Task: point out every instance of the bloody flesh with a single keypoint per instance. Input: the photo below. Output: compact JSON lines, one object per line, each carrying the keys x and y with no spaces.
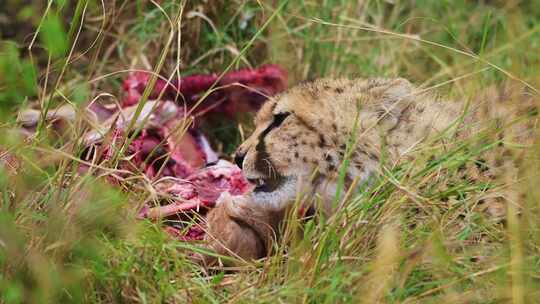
{"x":176,"y":160}
{"x":163,"y":141}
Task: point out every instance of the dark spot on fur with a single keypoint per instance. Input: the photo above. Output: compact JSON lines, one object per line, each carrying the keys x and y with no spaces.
{"x":372,"y":83}
{"x":304,"y":159}
{"x":326,"y":87}
{"x":373,"y":156}
{"x":322,"y":141}
{"x":334,"y":127}
{"x":338,"y":90}
{"x":481,"y":165}
{"x":380,"y":112}
{"x":296,"y":154}
{"x":409,"y":130}
{"x":330,"y":160}
{"x":273,"y":107}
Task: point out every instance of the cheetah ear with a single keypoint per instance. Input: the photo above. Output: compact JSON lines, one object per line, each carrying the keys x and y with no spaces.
{"x":396,"y":97}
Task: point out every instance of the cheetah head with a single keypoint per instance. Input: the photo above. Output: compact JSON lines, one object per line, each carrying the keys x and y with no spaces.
{"x":303,"y":132}
{"x":293,"y":139}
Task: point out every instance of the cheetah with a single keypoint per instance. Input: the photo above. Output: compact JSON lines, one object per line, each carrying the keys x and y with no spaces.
{"x":303,"y":136}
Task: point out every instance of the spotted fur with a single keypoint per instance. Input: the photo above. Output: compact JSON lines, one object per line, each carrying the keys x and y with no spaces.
{"x":307,"y":129}
{"x":307,"y":132}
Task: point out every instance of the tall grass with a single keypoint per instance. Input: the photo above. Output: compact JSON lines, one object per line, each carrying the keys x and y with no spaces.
{"x":417,"y":234}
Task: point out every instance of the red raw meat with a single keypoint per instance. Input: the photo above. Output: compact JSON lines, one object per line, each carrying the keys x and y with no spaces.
{"x":242,"y":90}
{"x":193,"y":233}
{"x":156,"y":149}
{"x":195,"y":194}
{"x":160,"y":149}
{"x":170,"y":153}
{"x":200,"y":189}
{"x":157,"y":153}
{"x":239,"y":91}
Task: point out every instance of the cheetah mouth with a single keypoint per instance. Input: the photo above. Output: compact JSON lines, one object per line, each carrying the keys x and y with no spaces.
{"x":269,"y":184}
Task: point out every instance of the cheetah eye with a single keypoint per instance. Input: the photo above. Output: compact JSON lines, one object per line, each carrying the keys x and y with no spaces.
{"x":278,"y":120}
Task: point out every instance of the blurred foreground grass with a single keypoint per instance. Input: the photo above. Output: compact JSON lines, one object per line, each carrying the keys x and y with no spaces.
{"x":71,"y":238}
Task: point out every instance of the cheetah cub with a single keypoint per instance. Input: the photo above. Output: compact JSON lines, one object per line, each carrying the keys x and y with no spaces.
{"x":303,"y":135}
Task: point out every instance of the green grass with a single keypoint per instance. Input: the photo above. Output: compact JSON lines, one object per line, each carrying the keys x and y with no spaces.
{"x":416,"y":235}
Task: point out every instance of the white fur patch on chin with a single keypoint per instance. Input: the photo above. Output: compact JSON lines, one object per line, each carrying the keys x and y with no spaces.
{"x":279,"y":199}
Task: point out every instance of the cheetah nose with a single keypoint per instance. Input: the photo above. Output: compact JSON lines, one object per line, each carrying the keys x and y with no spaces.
{"x":239,"y":159}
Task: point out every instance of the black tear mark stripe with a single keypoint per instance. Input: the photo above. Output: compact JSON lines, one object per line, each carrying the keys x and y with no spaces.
{"x":262,"y":160}
{"x":262,"y":157}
